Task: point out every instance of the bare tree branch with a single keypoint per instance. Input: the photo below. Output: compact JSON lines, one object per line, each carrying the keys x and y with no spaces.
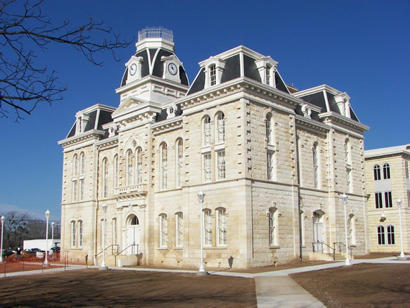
{"x":24,"y":32}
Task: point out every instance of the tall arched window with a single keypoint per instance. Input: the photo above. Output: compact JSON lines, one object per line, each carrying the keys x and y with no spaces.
{"x":207,"y":227}
{"x":221,"y":226}
{"x":163,"y":231}
{"x":220,"y":127}
{"x":380,"y":235}
{"x":206,"y":130}
{"x":75,"y":178}
{"x":316,"y":174}
{"x":164,"y":166}
{"x":82,"y":163}
{"x":179,"y":162}
{"x":348,"y":152}
{"x":80,"y":233}
{"x":271,"y":165}
{"x":270,"y":136}
{"x":348,"y":158}
{"x":73,"y":234}
{"x":130,"y":167}
{"x":376,"y":172}
{"x":386,"y":171}
{"x":273,"y":227}
{"x":115,"y":171}
{"x":104,"y":177}
{"x":179,"y":229}
{"x":138,"y":154}
{"x":390,"y":235}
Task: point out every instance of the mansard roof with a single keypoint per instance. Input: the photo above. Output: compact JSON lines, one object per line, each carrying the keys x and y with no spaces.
{"x":234,"y":68}
{"x":324,"y":96}
{"x":97,"y":115}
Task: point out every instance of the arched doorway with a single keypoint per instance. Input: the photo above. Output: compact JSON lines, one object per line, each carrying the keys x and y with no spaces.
{"x":133,"y":235}
{"x":318,"y":231}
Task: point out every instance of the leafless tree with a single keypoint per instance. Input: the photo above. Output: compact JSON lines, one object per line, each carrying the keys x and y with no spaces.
{"x":25,"y":31}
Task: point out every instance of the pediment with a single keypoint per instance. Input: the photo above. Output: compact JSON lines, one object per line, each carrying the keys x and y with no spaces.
{"x":127,"y":105}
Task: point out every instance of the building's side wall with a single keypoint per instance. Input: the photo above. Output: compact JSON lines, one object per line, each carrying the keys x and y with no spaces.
{"x":399,"y":187}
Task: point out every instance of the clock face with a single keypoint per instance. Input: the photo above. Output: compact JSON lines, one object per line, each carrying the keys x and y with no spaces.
{"x":172,"y":68}
{"x":133,"y":69}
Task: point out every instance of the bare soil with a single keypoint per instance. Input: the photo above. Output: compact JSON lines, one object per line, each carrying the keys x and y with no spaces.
{"x":361,"y":285}
{"x":126,"y":289}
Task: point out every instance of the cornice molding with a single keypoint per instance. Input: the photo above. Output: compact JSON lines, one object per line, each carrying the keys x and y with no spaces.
{"x":90,"y":135}
{"x":331,"y":118}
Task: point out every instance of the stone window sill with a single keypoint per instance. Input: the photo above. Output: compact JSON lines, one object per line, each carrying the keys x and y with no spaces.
{"x":274,"y":247}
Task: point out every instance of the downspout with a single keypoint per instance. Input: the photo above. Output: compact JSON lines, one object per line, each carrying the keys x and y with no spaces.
{"x":97,"y":204}
{"x":298,"y":187}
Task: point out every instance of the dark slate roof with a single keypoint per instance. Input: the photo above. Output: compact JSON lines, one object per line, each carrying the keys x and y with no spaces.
{"x":103,"y":118}
{"x":318,"y":99}
{"x":232,"y":70}
{"x":158,"y":65}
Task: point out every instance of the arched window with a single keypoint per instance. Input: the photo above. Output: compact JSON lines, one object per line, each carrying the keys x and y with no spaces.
{"x":348,"y":152}
{"x":380,"y":235}
{"x":352,"y":229}
{"x":207,"y":227}
{"x":220,"y":127}
{"x":212,"y":74}
{"x":179,"y":162}
{"x":386,"y":171}
{"x":206,"y":130}
{"x":206,"y":167}
{"x":390,"y":235}
{"x":115,"y":173}
{"x":104,"y":177}
{"x":221,"y":226}
{"x":163,"y":231}
{"x":270,"y":136}
{"x":130,"y":167}
{"x":82,"y":163}
{"x":273,"y":227}
{"x":73,"y":234}
{"x":164,"y":166}
{"x":376,"y":172}
{"x":179,"y":230}
{"x":138,"y":154}
{"x":80,"y":233}
{"x":75,"y":165}
{"x":348,"y":159}
{"x":316,"y":175}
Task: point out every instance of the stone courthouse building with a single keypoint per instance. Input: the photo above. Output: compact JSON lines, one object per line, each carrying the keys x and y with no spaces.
{"x":272,"y":162}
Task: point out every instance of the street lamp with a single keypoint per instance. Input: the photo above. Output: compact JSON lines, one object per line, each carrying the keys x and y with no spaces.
{"x":401,"y":232}
{"x":344,"y":198}
{"x":103,"y":266}
{"x":1,"y":245}
{"x":47,"y":217}
{"x":201,"y":197}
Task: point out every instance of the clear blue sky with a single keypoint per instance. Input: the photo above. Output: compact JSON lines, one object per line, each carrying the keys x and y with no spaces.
{"x":361,"y":47}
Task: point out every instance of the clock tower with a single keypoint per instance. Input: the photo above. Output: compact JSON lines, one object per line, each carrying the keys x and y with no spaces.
{"x":154,"y":74}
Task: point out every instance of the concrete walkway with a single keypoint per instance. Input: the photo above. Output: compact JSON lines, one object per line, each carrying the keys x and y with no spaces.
{"x":273,"y":289}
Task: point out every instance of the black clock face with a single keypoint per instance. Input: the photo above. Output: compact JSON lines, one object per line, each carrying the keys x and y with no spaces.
{"x":133,"y":69}
{"x":172,"y":69}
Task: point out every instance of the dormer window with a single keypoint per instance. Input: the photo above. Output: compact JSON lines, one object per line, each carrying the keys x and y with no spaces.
{"x":213,"y":69}
{"x":343,"y":102}
{"x":267,"y":67}
{"x":81,"y":123}
{"x":212,"y":75}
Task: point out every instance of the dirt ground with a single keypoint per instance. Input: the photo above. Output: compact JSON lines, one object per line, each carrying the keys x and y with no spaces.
{"x":362,"y":285}
{"x":126,"y":289}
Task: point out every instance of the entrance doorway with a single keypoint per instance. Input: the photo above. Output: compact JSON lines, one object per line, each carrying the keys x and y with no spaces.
{"x":318,"y":231}
{"x":133,"y":235}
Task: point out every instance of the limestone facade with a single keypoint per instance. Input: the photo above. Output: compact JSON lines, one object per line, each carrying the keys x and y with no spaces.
{"x":387,"y":180}
{"x":271,"y":161}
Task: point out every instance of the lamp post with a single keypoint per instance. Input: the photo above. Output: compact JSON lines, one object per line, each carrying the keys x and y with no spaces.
{"x":1,"y":245}
{"x":47,"y":217}
{"x":201,"y":196}
{"x":401,"y":232}
{"x":103,"y":266}
{"x":344,"y":198}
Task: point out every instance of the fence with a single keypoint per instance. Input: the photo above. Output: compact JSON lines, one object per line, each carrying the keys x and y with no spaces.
{"x":31,"y":261}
